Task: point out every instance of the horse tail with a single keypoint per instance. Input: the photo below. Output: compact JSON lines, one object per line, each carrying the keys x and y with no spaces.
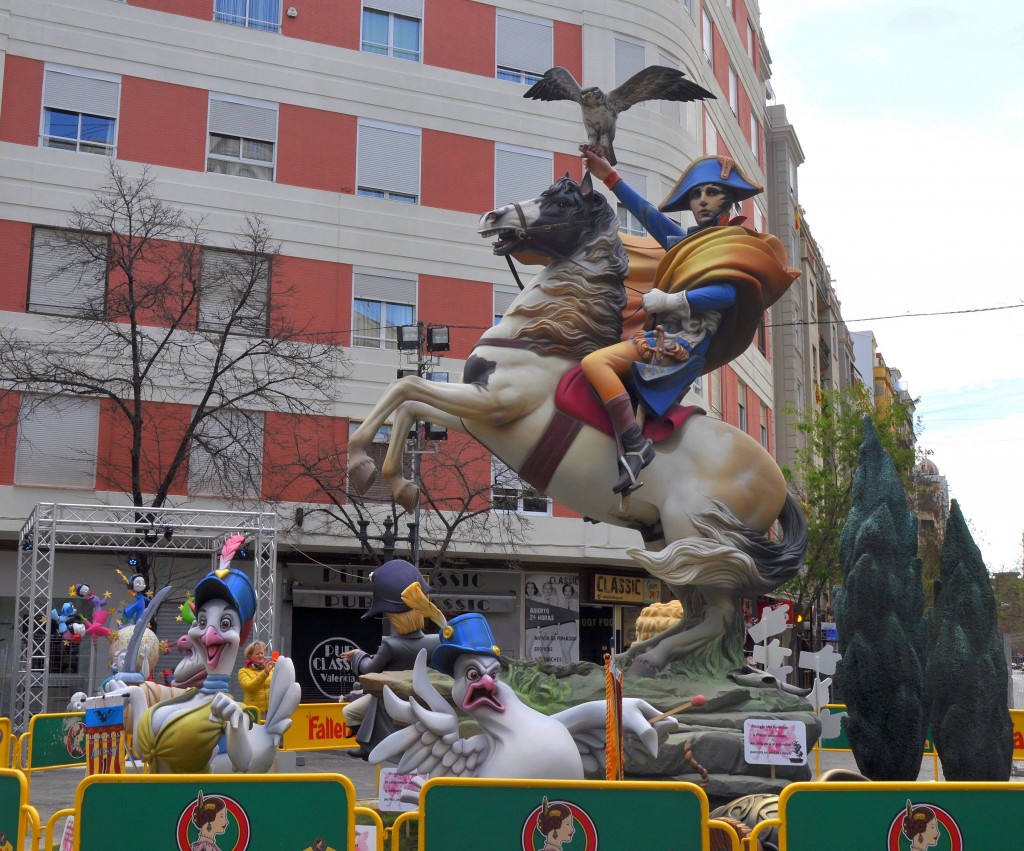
{"x":778,"y":561}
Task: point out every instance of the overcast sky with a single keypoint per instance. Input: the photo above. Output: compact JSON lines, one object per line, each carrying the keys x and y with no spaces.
{"x":911,"y":118}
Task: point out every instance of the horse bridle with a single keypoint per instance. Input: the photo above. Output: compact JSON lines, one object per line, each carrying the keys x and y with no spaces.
{"x":525,"y":231}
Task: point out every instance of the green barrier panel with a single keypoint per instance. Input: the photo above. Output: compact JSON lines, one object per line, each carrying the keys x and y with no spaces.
{"x":504,"y":815}
{"x":291,"y":812}
{"x":870,"y":817}
{"x":56,"y":741}
{"x":13,"y":794}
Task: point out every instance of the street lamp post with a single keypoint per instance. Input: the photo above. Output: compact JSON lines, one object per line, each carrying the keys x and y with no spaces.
{"x":413,"y":340}
{"x":389,"y":538}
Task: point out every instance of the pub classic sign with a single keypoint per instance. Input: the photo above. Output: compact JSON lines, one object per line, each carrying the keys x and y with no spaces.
{"x":613,"y":588}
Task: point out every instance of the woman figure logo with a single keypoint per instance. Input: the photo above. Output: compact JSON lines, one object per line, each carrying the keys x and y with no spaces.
{"x":209,"y":817}
{"x":923,"y":826}
{"x":559,"y":826}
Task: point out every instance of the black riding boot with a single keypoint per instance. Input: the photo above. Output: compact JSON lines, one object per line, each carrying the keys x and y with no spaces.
{"x":635,"y":451}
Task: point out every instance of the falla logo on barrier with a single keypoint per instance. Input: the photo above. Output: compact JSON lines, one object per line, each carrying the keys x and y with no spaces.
{"x":924,"y":826}
{"x":558,"y":826}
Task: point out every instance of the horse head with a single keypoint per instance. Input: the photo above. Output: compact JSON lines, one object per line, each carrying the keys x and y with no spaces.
{"x":564,"y":218}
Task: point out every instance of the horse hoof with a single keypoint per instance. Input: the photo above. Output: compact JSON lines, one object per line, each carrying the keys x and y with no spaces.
{"x":407,"y":496}
{"x":642,"y":667}
{"x":362,"y":474}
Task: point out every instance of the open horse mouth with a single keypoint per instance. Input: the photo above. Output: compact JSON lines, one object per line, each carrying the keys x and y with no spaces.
{"x":508,"y":240}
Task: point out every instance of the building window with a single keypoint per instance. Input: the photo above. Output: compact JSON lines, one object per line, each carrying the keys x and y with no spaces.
{"x":510,"y":493}
{"x":688,"y":5}
{"x":381,"y":303}
{"x":750,"y":42}
{"x":520,"y":173}
{"x":79,"y":110}
{"x":388,"y":162}
{"x":57,"y":441}
{"x":255,"y":14}
{"x":627,"y":221}
{"x":226,"y":455}
{"x":233,"y":292}
{"x":728,"y":5}
{"x":764,"y":425}
{"x":630,"y":58}
{"x":392,"y":28}
{"x":524,"y":47}
{"x":734,"y":91}
{"x":710,"y":136}
{"x":242,"y":138}
{"x":380,"y":490}
{"x":69,"y":273}
{"x":755,"y":136}
{"x":707,"y":34}
{"x":762,"y":336}
{"x":715,"y":395}
{"x":503,"y":297}
{"x":741,"y":405}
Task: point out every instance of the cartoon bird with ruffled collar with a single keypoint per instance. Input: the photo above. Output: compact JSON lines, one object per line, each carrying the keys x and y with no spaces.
{"x":517,"y":741}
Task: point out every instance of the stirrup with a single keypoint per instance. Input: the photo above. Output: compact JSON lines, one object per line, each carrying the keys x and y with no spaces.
{"x":629,"y":481}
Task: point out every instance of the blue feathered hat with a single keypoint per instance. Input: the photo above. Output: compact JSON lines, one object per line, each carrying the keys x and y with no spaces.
{"x":469,"y":633}
{"x":389,"y":581}
{"x":720,"y":170}
{"x":232,"y":586}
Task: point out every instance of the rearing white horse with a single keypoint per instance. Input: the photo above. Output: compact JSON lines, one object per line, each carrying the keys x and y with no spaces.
{"x":707,"y":499}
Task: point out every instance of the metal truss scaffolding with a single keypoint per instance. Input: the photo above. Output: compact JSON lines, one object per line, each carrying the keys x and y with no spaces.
{"x":54,"y":527}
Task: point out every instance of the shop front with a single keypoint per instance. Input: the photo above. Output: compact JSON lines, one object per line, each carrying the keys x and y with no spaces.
{"x":608,"y":616}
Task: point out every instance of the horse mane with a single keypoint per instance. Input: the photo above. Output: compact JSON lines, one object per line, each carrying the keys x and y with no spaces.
{"x":583,"y":310}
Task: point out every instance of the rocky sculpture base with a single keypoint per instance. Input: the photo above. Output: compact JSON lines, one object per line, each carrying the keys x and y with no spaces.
{"x":715,"y":736}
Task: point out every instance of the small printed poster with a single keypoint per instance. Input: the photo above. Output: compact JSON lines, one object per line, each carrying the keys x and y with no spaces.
{"x":767,"y":741}
{"x":67,"y":839}
{"x":552,"y":617}
{"x":366,"y":837}
{"x":392,"y":784}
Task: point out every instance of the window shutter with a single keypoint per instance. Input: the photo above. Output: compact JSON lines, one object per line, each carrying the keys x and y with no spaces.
{"x":389,"y":158}
{"x":60,"y":282}
{"x":669,"y":108}
{"x":520,"y":174}
{"x":630,"y":58}
{"x":225,"y":275}
{"x":57,"y":442}
{"x":503,"y":298}
{"x":231,"y":118}
{"x":408,"y":8}
{"x":77,"y":93}
{"x":636,"y":179}
{"x":225,"y":459}
{"x":525,"y":44}
{"x":375,"y":286}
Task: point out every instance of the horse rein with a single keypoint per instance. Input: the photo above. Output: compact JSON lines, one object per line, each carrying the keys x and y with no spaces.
{"x":525,"y":231}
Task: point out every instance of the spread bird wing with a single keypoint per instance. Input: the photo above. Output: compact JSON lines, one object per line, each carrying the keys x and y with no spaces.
{"x":656,"y":82}
{"x":430,"y":744}
{"x":586,"y":724}
{"x":556,"y":84}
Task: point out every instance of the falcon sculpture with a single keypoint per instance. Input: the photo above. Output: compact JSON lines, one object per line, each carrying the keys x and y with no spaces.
{"x":601,"y":110}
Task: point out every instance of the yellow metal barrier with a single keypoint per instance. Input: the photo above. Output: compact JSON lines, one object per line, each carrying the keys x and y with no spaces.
{"x":6,"y":743}
{"x":16,"y":810}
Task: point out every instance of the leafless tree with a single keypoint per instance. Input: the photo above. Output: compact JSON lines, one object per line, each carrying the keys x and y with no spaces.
{"x":455,"y":503}
{"x":182,"y":341}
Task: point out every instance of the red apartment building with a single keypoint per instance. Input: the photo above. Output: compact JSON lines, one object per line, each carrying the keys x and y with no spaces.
{"x":369,"y":137}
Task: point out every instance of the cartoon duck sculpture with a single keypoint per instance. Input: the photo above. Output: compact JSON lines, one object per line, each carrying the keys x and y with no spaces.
{"x":183,"y":734}
{"x":517,"y":741}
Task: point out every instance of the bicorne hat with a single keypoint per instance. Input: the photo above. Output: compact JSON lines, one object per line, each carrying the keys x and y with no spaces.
{"x":720,"y":170}
{"x":469,"y":633}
